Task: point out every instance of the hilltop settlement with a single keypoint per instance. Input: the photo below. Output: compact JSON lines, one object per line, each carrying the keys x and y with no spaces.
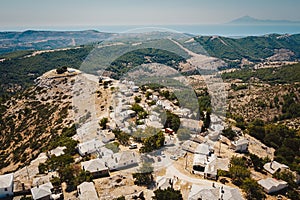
{"x":133,"y":141}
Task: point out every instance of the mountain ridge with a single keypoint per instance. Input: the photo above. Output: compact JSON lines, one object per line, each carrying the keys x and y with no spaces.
{"x":44,"y":40}
{"x":248,"y":20}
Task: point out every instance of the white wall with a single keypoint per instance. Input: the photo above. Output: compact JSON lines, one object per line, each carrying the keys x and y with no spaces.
{"x":9,"y":191}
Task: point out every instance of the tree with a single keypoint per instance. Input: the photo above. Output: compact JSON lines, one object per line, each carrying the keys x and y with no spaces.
{"x":238,"y":170}
{"x":143,"y":179}
{"x":153,"y":142}
{"x":252,"y":189}
{"x":144,"y":175}
{"x":122,"y":137}
{"x":137,"y":99}
{"x":256,"y":129}
{"x":103,"y":122}
{"x":114,"y":146}
{"x":183,"y":134}
{"x":207,"y":120}
{"x":258,"y":163}
{"x":229,"y":133}
{"x":42,"y":168}
{"x":287,"y":176}
{"x":61,"y":70}
{"x":171,"y":121}
{"x":167,"y":194}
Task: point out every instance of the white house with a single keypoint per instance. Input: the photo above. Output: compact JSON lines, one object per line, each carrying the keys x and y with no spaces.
{"x":104,"y":152}
{"x":121,"y":160}
{"x":95,"y":166}
{"x":204,"y":149}
{"x":135,"y":88}
{"x":87,"y":191}
{"x":240,"y":145}
{"x":272,"y":185}
{"x":214,"y":193}
{"x":194,"y":147}
{"x":42,"y":192}
{"x":6,"y":185}
{"x":163,"y":182}
{"x":211,"y":169}
{"x":191,"y":124}
{"x":58,"y":151}
{"x":89,"y":147}
{"x":274,"y":166}
{"x":200,"y":161}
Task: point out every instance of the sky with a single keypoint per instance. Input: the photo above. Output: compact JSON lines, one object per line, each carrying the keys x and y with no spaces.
{"x":55,"y":13}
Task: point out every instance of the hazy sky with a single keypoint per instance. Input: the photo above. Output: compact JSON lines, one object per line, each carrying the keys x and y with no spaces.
{"x":41,"y":13}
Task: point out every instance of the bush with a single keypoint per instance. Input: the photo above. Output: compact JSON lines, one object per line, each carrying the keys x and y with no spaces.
{"x":229,"y":133}
{"x":171,"y":121}
{"x":183,"y":134}
{"x":121,"y":136}
{"x":103,"y":122}
{"x":153,"y":142}
{"x":252,"y":189}
{"x":113,"y":146}
{"x":61,"y":70}
{"x":167,"y":194}
{"x":143,"y":179}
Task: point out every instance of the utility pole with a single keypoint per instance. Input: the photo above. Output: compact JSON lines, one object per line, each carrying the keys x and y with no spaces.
{"x":186,"y":160}
{"x":219,"y":148}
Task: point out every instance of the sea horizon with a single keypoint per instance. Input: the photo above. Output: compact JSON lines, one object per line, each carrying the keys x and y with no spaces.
{"x":228,"y":30}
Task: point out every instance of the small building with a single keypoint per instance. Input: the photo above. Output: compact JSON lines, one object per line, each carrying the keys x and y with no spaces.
{"x":189,"y":146}
{"x":169,"y":131}
{"x":211,"y":169}
{"x":194,"y":147}
{"x":58,"y":151}
{"x":96,"y":167}
{"x":134,"y":88}
{"x":87,"y":191}
{"x":126,"y":115}
{"x":193,"y":125}
{"x":213,"y":135}
{"x":89,"y":147}
{"x":200,"y":161}
{"x":214,"y":193}
{"x":240,"y":145}
{"x":274,"y":166}
{"x":163,"y":182}
{"x":104,"y":152}
{"x":272,"y":185}
{"x":6,"y":185}
{"x":155,"y":124}
{"x":204,"y":149}
{"x":42,"y":192}
{"x":121,"y":160}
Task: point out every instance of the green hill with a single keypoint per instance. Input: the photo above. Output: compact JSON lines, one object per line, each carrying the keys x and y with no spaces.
{"x":253,"y":48}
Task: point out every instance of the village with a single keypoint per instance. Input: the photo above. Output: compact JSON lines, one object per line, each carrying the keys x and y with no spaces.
{"x":190,"y":159}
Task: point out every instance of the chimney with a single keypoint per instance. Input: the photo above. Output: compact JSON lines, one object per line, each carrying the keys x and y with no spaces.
{"x":271,"y":165}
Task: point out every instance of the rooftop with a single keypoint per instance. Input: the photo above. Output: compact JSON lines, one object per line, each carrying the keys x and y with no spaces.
{"x":41,"y":191}
{"x":58,"y":151}
{"x":269,"y":183}
{"x":94,"y":165}
{"x":273,"y":166}
{"x":6,"y":180}
{"x":212,"y":193}
{"x":86,"y":190}
{"x":90,"y":146}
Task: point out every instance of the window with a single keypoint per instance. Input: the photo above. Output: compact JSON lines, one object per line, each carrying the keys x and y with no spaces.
{"x":5,"y":189}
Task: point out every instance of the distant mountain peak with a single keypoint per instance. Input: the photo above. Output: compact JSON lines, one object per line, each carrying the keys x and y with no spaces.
{"x":247,"y":20}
